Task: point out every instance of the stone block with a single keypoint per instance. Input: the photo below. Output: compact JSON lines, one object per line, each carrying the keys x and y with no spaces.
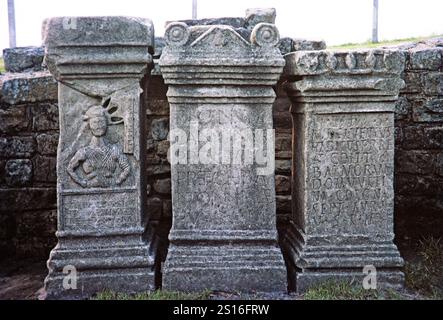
{"x":13,"y":119}
{"x":45,"y":117}
{"x":413,"y":82}
{"x":282,"y":166}
{"x":167,"y":209}
{"x":433,"y":83}
{"x":47,"y":143}
{"x":413,"y":137}
{"x":22,"y":59}
{"x":28,"y":87}
{"x":36,"y":198}
{"x":434,"y":137}
{"x":18,"y":172}
{"x":402,"y":108}
{"x":304,"y":44}
{"x":163,"y":186}
{"x":429,"y":110}
{"x":426,"y":59}
{"x":17,"y":147}
{"x":46,"y":168}
{"x":282,"y":184}
{"x":283,"y":204}
{"x":155,"y":208}
{"x":160,"y":128}
{"x":255,"y":16}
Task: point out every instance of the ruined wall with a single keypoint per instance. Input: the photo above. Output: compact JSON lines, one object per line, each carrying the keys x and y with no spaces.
{"x":419,"y":143}
{"x":28,"y":148}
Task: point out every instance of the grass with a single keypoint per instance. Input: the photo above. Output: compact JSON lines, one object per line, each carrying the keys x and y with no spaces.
{"x":426,"y":274}
{"x":333,"y":290}
{"x":423,"y":280}
{"x":2,"y":65}
{"x":155,"y":295}
{"x":369,"y":44}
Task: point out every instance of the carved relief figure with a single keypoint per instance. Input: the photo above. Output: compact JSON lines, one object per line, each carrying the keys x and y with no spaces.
{"x":101,"y":163}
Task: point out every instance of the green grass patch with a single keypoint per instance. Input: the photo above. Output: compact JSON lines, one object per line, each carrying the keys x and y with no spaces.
{"x":2,"y":65}
{"x":369,"y":44}
{"x":154,"y":295}
{"x":335,"y":290}
{"x":426,"y":274}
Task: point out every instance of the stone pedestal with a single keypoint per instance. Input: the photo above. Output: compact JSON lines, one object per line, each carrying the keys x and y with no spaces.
{"x":100,"y":64}
{"x":343,"y":166}
{"x":224,"y":233}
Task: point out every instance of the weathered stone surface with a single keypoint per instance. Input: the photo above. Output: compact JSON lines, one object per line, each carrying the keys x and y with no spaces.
{"x":230,"y":21}
{"x":282,"y":166}
{"x":28,"y":87}
{"x":160,"y":43}
{"x":160,"y":128}
{"x":428,"y":59}
{"x":23,"y":59}
{"x":434,"y":137}
{"x":224,"y":233}
{"x":156,"y":206}
{"x":163,"y":186}
{"x":45,"y":169}
{"x":285,"y":45}
{"x":304,"y":44}
{"x":18,"y":172}
{"x":35,"y":232}
{"x":99,"y":63}
{"x":428,"y":110}
{"x":283,"y":203}
{"x":282,"y":184}
{"x":255,"y":16}
{"x":343,"y":115}
{"x":158,"y":169}
{"x":167,"y":209}
{"x":158,"y":107}
{"x":17,"y":147}
{"x":36,"y":198}
{"x":433,"y":83}
{"x":45,"y":117}
{"x":283,"y":146}
{"x":288,"y":45}
{"x":47,"y":143}
{"x":402,"y":108}
{"x":13,"y":119}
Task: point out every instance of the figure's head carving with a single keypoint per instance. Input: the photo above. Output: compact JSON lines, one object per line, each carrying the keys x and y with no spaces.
{"x":97,"y":119}
{"x":100,"y":116}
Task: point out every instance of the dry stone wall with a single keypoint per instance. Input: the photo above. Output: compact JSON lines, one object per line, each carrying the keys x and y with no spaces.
{"x":419,"y":143}
{"x":28,"y":147}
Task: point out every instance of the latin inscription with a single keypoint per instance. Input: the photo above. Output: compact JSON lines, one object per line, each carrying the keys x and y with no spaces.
{"x":107,"y":211}
{"x":350,"y":171}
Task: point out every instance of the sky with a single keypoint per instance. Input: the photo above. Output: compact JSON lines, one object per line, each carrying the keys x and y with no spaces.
{"x":335,"y":21}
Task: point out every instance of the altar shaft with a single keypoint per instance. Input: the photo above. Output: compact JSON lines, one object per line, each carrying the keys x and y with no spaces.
{"x":343,"y":167}
{"x":220,"y":92}
{"x":100,"y":64}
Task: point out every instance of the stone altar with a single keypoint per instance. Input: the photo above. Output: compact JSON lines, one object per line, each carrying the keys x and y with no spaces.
{"x":101,"y":64}
{"x":343,"y":164}
{"x":224,"y":233}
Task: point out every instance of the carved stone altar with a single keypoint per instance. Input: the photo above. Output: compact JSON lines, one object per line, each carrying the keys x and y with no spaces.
{"x":224,"y":233}
{"x":100,"y":64}
{"x":343,"y":165}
